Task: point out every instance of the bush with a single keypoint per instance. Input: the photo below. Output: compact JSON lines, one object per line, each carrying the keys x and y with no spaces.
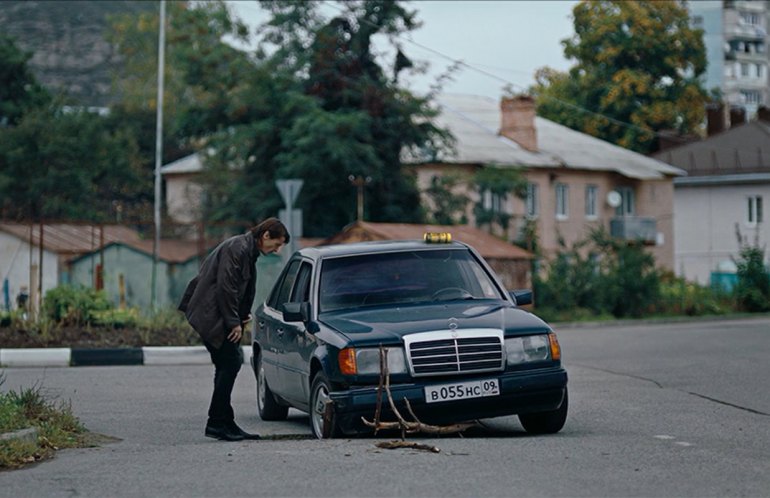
{"x":680,"y":297}
{"x":753,"y":289}
{"x":74,"y":305}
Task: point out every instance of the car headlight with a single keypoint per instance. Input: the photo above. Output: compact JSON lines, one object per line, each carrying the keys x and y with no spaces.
{"x":366,"y":361}
{"x":527,"y":349}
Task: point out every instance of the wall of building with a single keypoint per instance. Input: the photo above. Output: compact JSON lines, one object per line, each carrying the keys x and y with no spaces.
{"x":183,"y":198}
{"x":705,"y":224}
{"x":653,"y":199}
{"x":15,"y":267}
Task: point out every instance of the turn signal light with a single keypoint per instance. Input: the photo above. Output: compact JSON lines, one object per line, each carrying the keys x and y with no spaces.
{"x":347,"y":361}
{"x":555,"y":348}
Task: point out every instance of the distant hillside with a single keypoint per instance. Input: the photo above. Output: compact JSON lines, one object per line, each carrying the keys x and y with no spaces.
{"x":71,"y":54}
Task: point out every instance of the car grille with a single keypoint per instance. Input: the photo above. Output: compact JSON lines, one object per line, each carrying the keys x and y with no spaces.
{"x":458,"y":352}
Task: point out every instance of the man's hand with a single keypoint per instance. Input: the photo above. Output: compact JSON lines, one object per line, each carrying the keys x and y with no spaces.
{"x":235,"y":334}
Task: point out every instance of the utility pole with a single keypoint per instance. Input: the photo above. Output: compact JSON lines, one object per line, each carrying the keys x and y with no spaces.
{"x":158,"y":151}
{"x":360,"y":182}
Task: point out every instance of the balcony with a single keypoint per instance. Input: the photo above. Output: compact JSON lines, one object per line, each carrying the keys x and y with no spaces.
{"x":634,"y":228}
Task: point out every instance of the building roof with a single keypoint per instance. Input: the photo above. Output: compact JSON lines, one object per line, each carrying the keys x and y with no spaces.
{"x":475,"y":123}
{"x":187,"y":164}
{"x":741,"y":150}
{"x":487,"y":245}
{"x":70,"y":239}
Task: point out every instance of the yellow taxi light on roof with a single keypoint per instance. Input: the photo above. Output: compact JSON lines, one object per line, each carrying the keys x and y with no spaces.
{"x":437,"y":237}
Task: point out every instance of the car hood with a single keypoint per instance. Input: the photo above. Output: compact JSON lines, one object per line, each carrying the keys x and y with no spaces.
{"x":387,"y":325}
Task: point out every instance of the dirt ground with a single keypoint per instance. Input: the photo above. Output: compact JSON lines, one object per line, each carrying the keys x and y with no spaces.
{"x":96,"y":337}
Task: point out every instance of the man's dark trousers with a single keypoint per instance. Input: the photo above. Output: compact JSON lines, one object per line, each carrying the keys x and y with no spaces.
{"x":227,"y":362}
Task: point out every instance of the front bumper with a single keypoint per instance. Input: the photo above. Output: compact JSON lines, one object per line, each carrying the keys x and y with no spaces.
{"x":520,"y":392}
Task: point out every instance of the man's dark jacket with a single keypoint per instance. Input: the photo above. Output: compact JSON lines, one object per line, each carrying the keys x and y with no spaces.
{"x":222,"y":294}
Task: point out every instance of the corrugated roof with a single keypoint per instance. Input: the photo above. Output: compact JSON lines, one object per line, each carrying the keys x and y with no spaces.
{"x":744,"y":149}
{"x":475,"y":123}
{"x":486,"y":244}
{"x":71,"y":239}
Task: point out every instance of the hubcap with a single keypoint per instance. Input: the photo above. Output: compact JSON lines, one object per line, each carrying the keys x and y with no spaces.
{"x":319,"y":406}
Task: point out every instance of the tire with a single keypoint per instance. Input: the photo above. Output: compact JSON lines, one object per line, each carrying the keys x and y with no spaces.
{"x":546,"y":422}
{"x":319,"y":395}
{"x":267,"y":406}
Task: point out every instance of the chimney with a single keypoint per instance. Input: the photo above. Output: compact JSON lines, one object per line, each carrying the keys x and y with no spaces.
{"x":518,"y":121}
{"x":716,"y":118}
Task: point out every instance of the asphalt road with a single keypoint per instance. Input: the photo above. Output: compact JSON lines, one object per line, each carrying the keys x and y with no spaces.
{"x":656,"y":410}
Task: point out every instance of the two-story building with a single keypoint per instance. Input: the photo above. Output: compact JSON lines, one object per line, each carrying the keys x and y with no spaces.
{"x":576,"y":182}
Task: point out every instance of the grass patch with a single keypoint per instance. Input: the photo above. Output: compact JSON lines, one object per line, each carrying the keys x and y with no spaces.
{"x":56,"y":426}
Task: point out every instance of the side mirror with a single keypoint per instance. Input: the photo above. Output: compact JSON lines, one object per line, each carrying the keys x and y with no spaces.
{"x":300,"y":312}
{"x":521,"y":296}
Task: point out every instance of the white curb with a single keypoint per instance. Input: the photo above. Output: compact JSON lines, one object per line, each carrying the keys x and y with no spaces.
{"x":179,"y":355}
{"x":38,"y":357}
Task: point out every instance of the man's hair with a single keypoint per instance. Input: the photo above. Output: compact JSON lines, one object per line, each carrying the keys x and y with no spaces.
{"x":272,"y":226}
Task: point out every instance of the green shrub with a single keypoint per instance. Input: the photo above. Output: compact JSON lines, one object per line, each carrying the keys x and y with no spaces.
{"x":753,"y":289}
{"x":74,"y":305}
{"x":680,"y":297}
{"x":115,"y":318}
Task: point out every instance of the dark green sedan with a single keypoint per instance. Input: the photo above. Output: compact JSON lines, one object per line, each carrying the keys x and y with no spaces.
{"x":458,"y":347}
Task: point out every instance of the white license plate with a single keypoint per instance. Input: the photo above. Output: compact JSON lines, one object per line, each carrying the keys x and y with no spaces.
{"x":462,"y":390}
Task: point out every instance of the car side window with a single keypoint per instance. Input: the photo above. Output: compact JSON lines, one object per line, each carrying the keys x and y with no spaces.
{"x":301,"y":292}
{"x":284,"y":288}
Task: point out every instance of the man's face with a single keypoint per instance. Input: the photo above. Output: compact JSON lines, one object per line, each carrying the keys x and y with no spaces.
{"x":270,"y":246}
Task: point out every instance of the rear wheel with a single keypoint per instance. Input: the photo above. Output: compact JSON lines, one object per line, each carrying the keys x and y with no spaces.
{"x":319,"y":399}
{"x":546,"y":422}
{"x":267,"y":406}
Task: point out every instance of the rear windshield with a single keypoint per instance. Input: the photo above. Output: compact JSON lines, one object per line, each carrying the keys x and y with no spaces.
{"x":403,"y":277}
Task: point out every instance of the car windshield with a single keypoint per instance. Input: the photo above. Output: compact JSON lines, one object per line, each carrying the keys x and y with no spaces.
{"x":403,"y":277}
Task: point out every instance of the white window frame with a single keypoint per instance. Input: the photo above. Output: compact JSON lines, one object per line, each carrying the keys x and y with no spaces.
{"x":754,"y":211}
{"x":562,"y":201}
{"x":531,"y":210}
{"x":592,"y":196}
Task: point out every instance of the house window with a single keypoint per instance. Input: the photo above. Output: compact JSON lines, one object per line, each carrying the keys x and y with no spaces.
{"x":591,"y":195}
{"x":562,"y":201}
{"x":532,"y":200}
{"x":751,"y":96}
{"x":744,"y":70}
{"x":627,"y":205}
{"x":493,"y":202}
{"x":755,"y":210}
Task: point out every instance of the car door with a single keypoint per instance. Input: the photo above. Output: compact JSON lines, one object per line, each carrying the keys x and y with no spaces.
{"x":298,"y":342}
{"x":272,"y":326}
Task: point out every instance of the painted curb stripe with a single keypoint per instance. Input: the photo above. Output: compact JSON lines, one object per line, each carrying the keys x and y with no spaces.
{"x":111,"y":356}
{"x":181,"y":355}
{"x":35,"y":357}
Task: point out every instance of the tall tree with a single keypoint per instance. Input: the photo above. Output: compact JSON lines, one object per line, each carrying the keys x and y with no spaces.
{"x":637,"y":73}
{"x":320,"y":108}
{"x":58,"y":166}
{"x":19,"y":90}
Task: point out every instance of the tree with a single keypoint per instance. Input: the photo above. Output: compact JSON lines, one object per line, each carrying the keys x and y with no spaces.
{"x":322,"y":109}
{"x":19,"y":90}
{"x":448,"y":207}
{"x":58,"y":165}
{"x":637,"y":73}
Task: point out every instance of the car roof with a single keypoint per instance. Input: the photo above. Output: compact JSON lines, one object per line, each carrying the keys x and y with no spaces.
{"x":374,"y":247}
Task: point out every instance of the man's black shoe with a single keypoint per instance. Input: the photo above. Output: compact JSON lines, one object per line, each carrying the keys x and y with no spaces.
{"x":234,"y":429}
{"x":222,"y":433}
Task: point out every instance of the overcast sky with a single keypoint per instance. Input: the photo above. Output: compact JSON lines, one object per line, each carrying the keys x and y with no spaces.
{"x":507,"y":39}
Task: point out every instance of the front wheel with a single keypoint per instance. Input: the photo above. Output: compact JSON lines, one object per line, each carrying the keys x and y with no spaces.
{"x":319,"y":400}
{"x":546,"y":422}
{"x":267,"y":406}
